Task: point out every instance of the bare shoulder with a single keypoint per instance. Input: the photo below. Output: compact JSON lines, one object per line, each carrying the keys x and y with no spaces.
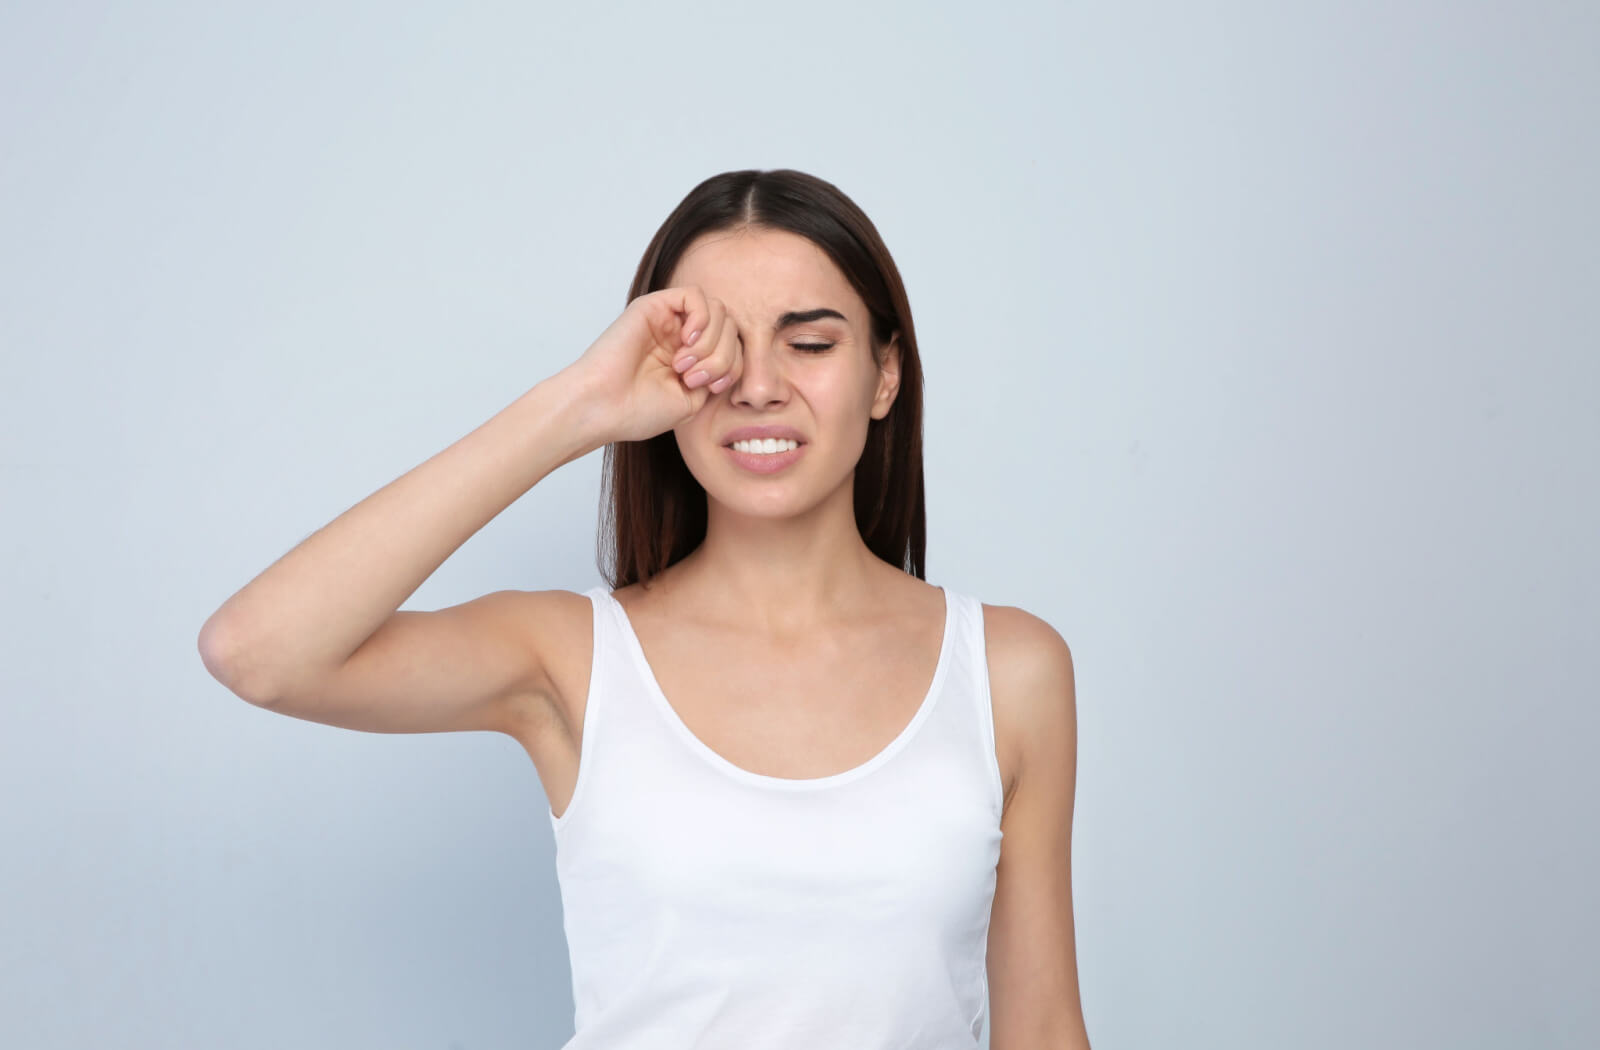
{"x":1019,"y":634}
{"x":558,"y":628}
{"x":1032,"y":689}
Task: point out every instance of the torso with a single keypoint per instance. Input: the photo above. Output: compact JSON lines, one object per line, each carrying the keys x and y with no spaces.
{"x":800,"y":708}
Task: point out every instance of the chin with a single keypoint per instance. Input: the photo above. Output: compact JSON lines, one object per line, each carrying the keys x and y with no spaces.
{"x":771,"y":504}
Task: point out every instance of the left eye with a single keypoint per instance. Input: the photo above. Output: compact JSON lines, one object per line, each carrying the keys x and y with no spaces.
{"x":812,"y":347}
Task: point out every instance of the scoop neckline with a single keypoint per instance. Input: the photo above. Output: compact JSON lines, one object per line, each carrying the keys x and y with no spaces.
{"x":659,"y":700}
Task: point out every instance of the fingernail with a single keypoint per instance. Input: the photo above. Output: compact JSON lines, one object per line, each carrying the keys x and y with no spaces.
{"x":719,"y":385}
{"x":698,"y":378}
{"x":683,"y":363}
{"x":692,"y":337}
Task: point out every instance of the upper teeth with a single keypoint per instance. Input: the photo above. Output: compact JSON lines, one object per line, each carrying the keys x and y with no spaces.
{"x":765,"y":445}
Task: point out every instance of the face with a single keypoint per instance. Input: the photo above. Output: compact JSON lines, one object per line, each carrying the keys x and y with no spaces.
{"x":816,"y":375}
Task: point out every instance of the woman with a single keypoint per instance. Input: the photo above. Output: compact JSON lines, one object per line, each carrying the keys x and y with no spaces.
{"x":780,"y":764}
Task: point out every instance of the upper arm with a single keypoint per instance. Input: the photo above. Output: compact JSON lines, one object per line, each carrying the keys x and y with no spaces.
{"x":473,"y":666}
{"x":1033,"y":971}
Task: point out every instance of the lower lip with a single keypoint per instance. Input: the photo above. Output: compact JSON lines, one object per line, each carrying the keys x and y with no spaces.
{"x":769,"y":463}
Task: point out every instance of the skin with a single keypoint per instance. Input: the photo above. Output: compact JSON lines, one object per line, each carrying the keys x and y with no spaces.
{"x":783,"y":552}
{"x":784,"y":563}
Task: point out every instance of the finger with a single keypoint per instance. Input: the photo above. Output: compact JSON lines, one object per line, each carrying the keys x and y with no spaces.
{"x":691,"y":304}
{"x":715,"y":365}
{"x":716,"y":320}
{"x":735,"y":364}
{"x":674,"y":314}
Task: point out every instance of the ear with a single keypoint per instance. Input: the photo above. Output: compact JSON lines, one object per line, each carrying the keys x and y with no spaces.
{"x":888,"y":379}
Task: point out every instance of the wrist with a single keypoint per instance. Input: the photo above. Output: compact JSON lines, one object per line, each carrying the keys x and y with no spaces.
{"x":582,"y":411}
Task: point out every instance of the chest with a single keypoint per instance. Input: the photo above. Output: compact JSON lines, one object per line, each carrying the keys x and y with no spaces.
{"x":803,"y":708}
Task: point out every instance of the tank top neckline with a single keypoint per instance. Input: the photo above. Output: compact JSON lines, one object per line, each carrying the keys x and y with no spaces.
{"x":658,"y":699}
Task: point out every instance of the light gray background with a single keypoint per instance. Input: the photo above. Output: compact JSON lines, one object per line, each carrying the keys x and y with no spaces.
{"x":1261,"y":361}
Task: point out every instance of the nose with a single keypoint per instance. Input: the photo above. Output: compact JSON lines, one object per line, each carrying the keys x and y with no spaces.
{"x":761,"y":382}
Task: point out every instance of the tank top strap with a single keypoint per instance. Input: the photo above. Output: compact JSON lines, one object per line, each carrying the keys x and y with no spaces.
{"x":604,"y":652}
{"x":973,"y":671}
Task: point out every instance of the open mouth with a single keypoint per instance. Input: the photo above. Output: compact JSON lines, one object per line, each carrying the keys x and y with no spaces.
{"x":753,"y":456}
{"x":768,"y":446}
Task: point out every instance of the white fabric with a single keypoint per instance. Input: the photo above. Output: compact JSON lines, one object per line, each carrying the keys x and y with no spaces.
{"x":711,"y":907}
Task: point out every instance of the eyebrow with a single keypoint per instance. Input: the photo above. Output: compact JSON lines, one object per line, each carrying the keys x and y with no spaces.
{"x":802,"y":316}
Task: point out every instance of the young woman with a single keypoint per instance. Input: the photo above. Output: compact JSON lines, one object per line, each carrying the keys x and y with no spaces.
{"x":780,"y":764}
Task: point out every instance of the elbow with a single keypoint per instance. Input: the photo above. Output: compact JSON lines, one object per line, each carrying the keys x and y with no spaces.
{"x":223,"y":661}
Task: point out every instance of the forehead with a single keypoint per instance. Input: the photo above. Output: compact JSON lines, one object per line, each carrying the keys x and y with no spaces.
{"x":757,"y":272}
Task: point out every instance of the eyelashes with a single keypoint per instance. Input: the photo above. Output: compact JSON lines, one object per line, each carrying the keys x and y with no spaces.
{"x":810,"y":348}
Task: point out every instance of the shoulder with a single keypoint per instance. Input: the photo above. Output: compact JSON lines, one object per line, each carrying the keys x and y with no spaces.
{"x":1026,"y":650}
{"x":549,"y":615}
{"x":1021,"y":632}
{"x":1032,"y":689}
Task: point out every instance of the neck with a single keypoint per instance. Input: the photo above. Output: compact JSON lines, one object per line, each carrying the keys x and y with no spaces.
{"x":782,"y":575}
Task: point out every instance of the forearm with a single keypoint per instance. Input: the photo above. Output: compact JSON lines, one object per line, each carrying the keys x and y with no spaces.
{"x":313,"y":607}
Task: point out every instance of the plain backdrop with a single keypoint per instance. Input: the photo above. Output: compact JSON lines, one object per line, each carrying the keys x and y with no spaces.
{"x":1261,"y":351}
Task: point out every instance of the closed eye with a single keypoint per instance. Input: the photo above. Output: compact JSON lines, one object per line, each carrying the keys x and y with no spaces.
{"x":813,"y":348}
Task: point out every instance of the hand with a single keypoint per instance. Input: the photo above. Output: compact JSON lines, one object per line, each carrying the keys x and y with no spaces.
{"x":637,"y":369}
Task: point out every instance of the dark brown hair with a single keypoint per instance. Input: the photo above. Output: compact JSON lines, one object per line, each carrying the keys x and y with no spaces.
{"x":653,"y":511}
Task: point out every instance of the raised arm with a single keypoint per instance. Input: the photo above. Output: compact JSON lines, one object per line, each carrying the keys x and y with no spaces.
{"x":318,"y":635}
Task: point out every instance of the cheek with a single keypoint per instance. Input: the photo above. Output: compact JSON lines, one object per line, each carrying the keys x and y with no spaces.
{"x":689,"y":436}
{"x":839,"y":397}
{"x":852,"y":385}
{"x":864,"y":391}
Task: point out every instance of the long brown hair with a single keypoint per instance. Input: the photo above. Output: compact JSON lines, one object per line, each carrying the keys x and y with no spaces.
{"x":653,"y":511}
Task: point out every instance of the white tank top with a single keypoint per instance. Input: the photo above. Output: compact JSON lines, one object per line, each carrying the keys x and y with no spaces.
{"x":711,"y":907}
